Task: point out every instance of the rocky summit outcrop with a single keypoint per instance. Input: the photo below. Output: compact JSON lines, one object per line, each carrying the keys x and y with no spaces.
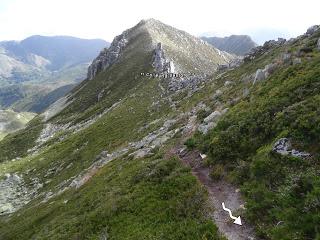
{"x":107,"y":56}
{"x":183,"y":51}
{"x":193,"y":54}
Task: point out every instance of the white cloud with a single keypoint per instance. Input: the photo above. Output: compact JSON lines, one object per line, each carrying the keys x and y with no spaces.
{"x":105,"y":19}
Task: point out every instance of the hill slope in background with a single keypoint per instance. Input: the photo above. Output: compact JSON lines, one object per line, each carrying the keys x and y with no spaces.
{"x":53,"y":53}
{"x":234,"y":44}
{"x":50,"y":62}
{"x":11,"y":121}
{"x":99,"y":163}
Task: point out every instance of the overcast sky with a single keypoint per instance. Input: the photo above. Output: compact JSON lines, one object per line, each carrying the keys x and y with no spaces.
{"x":105,"y":19}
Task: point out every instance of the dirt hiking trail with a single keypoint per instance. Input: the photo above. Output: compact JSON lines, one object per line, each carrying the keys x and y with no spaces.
{"x":219,"y":191}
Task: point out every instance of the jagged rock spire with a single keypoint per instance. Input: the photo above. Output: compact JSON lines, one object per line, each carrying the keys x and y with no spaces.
{"x":160,"y":62}
{"x":107,"y":56}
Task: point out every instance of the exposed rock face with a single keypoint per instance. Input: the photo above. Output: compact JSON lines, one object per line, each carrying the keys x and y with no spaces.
{"x":160,"y":62}
{"x":107,"y":56}
{"x":258,"y":51}
{"x":262,"y":74}
{"x":286,"y":57}
{"x":311,"y":30}
{"x":211,"y":121}
{"x":259,"y":76}
{"x":296,"y":61}
{"x":222,"y":67}
{"x":217,"y":94}
{"x":14,"y":194}
{"x":212,"y":116}
{"x":318,"y":44}
{"x":232,"y":64}
{"x":163,"y":65}
{"x":48,"y":132}
{"x":191,"y":82}
{"x":283,"y":146}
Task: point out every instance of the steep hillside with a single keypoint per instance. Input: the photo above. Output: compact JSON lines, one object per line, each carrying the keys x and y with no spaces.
{"x":32,"y":97}
{"x":41,"y":103}
{"x":119,"y":157}
{"x":234,"y":44}
{"x":11,"y":121}
{"x":268,"y":141}
{"x":42,"y":62}
{"x":96,"y":160}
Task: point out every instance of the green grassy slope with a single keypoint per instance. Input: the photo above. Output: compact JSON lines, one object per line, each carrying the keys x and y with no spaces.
{"x":155,"y":197}
{"x":123,"y":201}
{"x":36,"y":96}
{"x":151,"y":197}
{"x":168,"y":205}
{"x":282,"y":192}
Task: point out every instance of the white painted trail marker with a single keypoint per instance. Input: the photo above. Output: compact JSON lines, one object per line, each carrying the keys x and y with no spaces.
{"x":237,"y":220}
{"x":203,"y":156}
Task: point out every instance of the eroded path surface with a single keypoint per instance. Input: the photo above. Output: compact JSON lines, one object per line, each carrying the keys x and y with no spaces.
{"x":219,"y":192}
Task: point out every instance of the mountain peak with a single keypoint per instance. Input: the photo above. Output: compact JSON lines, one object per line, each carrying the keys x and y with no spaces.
{"x":234,"y":44}
{"x":187,"y":52}
{"x":148,"y":21}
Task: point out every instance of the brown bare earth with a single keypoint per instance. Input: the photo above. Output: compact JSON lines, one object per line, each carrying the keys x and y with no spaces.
{"x":219,"y":191}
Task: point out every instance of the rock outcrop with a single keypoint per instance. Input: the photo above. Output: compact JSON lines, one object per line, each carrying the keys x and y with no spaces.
{"x":190,"y":82}
{"x":258,"y":51}
{"x":232,"y":64}
{"x":284,"y":147}
{"x":160,"y":63}
{"x":311,"y":30}
{"x":211,"y":121}
{"x":14,"y":193}
{"x":262,"y":74}
{"x":296,"y":61}
{"x":286,"y":57}
{"x":107,"y":56}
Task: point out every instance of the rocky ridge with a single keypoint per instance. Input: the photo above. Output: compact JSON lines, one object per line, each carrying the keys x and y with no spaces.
{"x":107,"y":56}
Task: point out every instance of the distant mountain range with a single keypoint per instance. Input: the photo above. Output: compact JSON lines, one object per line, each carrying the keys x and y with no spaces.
{"x":46,"y":63}
{"x":235,"y":44}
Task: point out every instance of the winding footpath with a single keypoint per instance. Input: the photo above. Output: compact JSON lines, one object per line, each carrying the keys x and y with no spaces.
{"x":219,"y":191}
